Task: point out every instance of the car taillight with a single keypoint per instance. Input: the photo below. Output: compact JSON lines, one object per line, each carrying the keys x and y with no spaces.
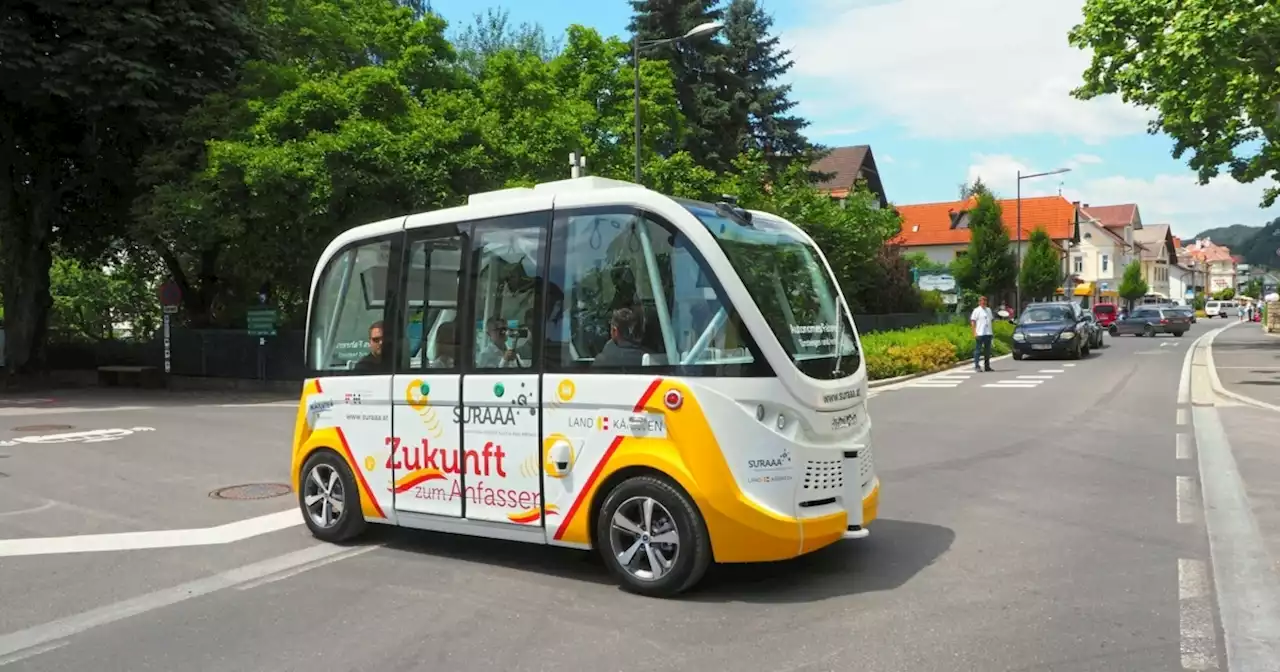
{"x":1164,"y":321}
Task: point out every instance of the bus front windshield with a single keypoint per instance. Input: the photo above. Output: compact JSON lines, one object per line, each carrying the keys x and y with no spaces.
{"x":796,"y":295}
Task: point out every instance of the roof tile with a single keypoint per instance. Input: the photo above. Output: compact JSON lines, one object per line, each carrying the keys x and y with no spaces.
{"x":930,"y":223}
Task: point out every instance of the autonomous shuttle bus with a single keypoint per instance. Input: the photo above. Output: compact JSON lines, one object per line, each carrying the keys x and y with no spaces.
{"x":587,"y":363}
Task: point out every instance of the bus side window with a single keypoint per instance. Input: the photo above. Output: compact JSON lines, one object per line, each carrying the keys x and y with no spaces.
{"x":505,"y":278}
{"x":433,"y":278}
{"x":349,"y":306}
{"x":628,"y":293}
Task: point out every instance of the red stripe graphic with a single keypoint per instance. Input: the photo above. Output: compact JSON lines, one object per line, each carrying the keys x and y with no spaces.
{"x":604,"y":459}
{"x":355,"y":469}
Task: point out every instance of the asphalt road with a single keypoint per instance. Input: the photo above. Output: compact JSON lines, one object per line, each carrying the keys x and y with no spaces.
{"x":1046,"y":525}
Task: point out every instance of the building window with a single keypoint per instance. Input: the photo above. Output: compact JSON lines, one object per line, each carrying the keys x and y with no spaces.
{"x":1105,"y":263}
{"x":1079,"y":264}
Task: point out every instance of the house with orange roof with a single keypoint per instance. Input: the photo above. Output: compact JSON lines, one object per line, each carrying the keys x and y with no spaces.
{"x":1211,"y":261}
{"x":1159,"y":258}
{"x":1093,"y":255}
{"x":1123,"y":219}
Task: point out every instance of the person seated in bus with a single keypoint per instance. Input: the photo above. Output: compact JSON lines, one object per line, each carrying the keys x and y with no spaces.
{"x":623,"y":347}
{"x":497,"y":353}
{"x":446,"y":347}
{"x":373,"y":360}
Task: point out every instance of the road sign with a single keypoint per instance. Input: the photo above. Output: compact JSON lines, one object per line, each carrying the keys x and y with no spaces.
{"x":170,"y":293}
{"x":261,"y":321}
{"x":170,"y":310}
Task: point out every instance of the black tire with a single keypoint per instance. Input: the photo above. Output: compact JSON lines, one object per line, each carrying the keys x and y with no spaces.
{"x":1148,"y":331}
{"x":1084,"y":351}
{"x":694,"y":542}
{"x":1114,"y":331}
{"x":1179,"y":333}
{"x":1078,"y":352}
{"x":1017,"y":356}
{"x":350,"y":523}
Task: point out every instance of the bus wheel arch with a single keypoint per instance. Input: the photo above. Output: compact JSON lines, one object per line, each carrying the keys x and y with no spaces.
{"x":327,"y":478}
{"x":631,"y":486}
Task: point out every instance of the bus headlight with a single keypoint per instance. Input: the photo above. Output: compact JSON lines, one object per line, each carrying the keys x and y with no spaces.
{"x":782,"y":422}
{"x":760,"y":412}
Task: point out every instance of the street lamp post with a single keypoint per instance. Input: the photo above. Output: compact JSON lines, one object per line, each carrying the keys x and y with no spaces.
{"x":636,"y":46}
{"x":1017,"y":285}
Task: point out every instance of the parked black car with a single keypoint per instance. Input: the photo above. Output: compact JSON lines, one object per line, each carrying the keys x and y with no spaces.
{"x":1152,"y":320}
{"x":1057,"y":329}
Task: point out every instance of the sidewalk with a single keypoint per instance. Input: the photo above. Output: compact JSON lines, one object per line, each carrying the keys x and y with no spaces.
{"x":1248,"y":362}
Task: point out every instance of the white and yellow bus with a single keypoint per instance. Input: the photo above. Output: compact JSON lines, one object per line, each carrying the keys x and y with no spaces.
{"x":591,"y":364}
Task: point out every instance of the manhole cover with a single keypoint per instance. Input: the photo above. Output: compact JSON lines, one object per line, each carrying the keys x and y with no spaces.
{"x":41,"y":428}
{"x":251,"y":491}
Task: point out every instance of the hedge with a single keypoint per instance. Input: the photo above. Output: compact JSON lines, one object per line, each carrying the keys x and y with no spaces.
{"x":929,"y":348}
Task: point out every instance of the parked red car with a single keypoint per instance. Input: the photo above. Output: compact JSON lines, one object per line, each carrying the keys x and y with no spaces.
{"x":1105,"y":314}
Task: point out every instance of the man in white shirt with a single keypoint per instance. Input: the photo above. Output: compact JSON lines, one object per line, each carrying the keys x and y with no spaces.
{"x":982,"y":322}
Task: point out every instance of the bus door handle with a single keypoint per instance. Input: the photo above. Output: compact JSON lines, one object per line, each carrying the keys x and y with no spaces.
{"x":562,"y":456}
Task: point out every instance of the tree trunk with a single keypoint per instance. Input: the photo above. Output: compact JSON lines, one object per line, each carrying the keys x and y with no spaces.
{"x":25,"y":259}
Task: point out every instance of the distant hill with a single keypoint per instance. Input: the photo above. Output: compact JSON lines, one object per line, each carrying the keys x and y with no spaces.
{"x":1257,"y":244}
{"x":1232,"y":236}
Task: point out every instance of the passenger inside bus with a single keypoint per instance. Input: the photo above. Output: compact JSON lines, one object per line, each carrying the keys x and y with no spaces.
{"x":624,"y":347}
{"x":501,"y":347}
{"x":446,"y":342}
{"x":373,"y":360}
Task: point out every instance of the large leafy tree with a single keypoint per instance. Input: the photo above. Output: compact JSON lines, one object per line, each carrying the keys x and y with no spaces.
{"x":493,"y":32}
{"x":704,"y":87}
{"x":1041,"y":270}
{"x":762,"y":104}
{"x":988,"y":267}
{"x":84,"y":89}
{"x":1207,"y":68}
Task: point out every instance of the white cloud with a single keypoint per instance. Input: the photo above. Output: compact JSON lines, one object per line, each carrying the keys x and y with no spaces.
{"x":1175,"y":199}
{"x":954,"y":68}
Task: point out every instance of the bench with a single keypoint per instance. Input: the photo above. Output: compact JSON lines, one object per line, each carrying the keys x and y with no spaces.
{"x":134,"y":376}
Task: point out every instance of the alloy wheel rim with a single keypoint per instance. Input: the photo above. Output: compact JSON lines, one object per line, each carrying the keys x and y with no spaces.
{"x":324,"y":496}
{"x":644,"y":538}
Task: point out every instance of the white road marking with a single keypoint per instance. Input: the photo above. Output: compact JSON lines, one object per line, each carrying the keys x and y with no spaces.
{"x":1168,"y":345}
{"x":1035,"y":377}
{"x":1195,"y":617}
{"x":89,"y":436}
{"x":32,"y":653}
{"x":1068,"y":365}
{"x":1183,"y":444}
{"x":71,"y":409}
{"x":1187,"y":500}
{"x":935,"y":385}
{"x":1182,"y":416}
{"x":133,"y":541}
{"x":1052,"y":371}
{"x":265,"y":404}
{"x":42,"y":635}
{"x":280,"y":576}
{"x":1014,"y":384}
{"x":49,"y":504}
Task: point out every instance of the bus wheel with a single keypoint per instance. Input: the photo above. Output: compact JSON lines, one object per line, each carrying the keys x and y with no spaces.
{"x":652,"y":537}
{"x":329,"y":498}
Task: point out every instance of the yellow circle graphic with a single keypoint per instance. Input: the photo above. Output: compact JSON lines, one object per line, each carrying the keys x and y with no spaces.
{"x":370,"y":463}
{"x":413,"y":394}
{"x":566,"y":390}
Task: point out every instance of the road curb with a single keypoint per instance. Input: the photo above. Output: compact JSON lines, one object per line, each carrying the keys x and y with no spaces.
{"x":1216,"y":383}
{"x":888,"y":382}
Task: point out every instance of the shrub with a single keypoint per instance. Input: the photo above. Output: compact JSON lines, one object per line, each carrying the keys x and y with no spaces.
{"x":927,"y":348}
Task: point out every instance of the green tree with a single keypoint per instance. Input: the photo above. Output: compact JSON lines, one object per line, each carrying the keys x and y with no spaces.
{"x":988,"y":267}
{"x":104,"y":302}
{"x":1132,"y":285}
{"x":86,"y":88}
{"x":704,"y":87}
{"x":921,"y":262}
{"x":492,"y":32}
{"x":762,"y":105}
{"x":1224,"y":294}
{"x":1206,"y":67}
{"x":972,"y":189}
{"x":1253,"y":289}
{"x":1041,"y":272}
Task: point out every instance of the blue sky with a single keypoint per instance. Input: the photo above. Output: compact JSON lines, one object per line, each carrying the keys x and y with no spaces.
{"x":946,"y":90}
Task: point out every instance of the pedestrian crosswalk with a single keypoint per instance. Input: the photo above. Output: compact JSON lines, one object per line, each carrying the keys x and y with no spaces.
{"x":1016,"y":379}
